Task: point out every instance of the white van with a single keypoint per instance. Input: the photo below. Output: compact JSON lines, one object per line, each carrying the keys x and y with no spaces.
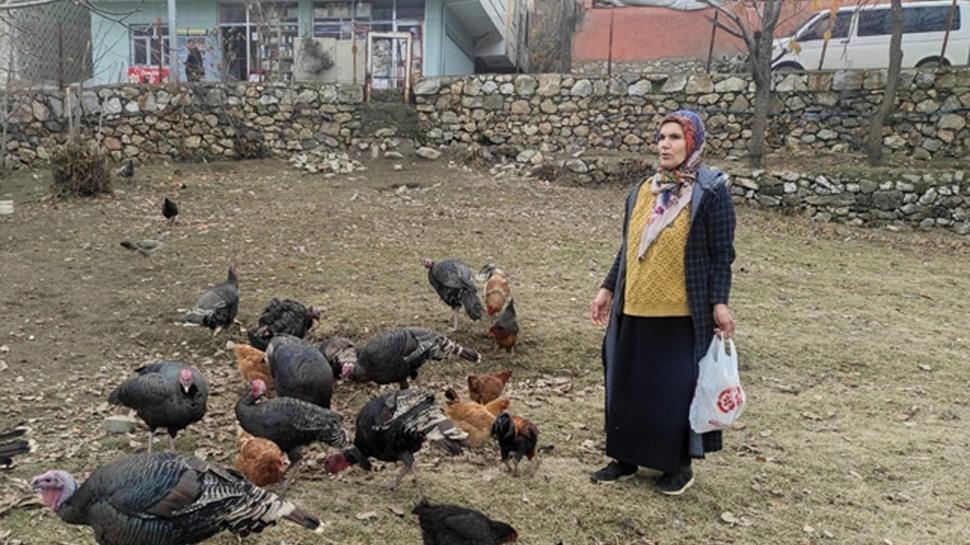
{"x":860,"y":37}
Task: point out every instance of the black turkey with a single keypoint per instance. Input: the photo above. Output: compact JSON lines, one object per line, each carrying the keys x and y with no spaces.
{"x":456,"y":525}
{"x":299,"y":370}
{"x":339,"y":351}
{"x":14,"y":442}
{"x":165,"y":499}
{"x":392,"y":427}
{"x":452,"y":279}
{"x":289,"y":422}
{"x":397,"y":354}
{"x":216,"y":308}
{"x":168,"y":395}
{"x":283,"y":317}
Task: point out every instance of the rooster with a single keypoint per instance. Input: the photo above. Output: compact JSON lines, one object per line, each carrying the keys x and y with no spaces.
{"x":474,"y":418}
{"x":517,"y":437}
{"x":397,"y":354}
{"x":216,"y":307}
{"x":283,"y":317}
{"x":455,"y":525}
{"x":484,"y":388}
{"x":392,"y":427}
{"x":252,"y":364}
{"x":452,"y":280}
{"x":13,"y":442}
{"x":505,"y":330}
{"x":496,"y":288}
{"x":260,"y":460}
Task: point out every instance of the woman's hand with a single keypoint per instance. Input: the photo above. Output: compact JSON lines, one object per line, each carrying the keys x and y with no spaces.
{"x":599,"y":311}
{"x":723,"y":321}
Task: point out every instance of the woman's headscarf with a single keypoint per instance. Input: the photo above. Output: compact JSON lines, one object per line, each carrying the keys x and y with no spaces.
{"x":675,"y":187}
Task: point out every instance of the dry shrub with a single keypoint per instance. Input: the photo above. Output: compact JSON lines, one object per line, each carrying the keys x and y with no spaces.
{"x":249,"y":145}
{"x":80,"y":170}
{"x":550,"y":172}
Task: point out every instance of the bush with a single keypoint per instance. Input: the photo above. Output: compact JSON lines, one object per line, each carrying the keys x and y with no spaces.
{"x":80,"y":170}
{"x":249,"y":145}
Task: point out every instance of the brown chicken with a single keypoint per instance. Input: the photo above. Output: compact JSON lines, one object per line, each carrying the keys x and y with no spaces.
{"x":484,"y":388}
{"x":474,"y":418}
{"x":260,"y":460}
{"x":496,"y":288}
{"x":506,"y":329}
{"x":517,"y":437}
{"x":252,"y":364}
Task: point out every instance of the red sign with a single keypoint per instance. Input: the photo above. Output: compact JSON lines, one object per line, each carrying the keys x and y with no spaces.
{"x":147,"y":74}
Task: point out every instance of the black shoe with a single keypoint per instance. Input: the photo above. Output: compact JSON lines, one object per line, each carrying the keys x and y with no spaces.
{"x":674,"y":484}
{"x":613,"y":471}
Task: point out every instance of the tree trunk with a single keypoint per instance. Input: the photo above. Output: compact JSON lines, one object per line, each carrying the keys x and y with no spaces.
{"x":874,"y":138}
{"x":759,"y":123}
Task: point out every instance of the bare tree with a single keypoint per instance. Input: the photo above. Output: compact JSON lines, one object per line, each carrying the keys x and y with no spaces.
{"x":754,"y":22}
{"x":550,"y":35}
{"x":878,"y":119}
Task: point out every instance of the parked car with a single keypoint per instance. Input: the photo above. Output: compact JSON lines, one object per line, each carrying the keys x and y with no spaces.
{"x":860,"y":37}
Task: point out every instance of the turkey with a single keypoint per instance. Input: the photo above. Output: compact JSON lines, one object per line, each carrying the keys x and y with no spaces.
{"x":279,"y":317}
{"x":14,"y":442}
{"x":392,"y":427}
{"x":452,"y":279}
{"x":339,"y":351}
{"x":300,"y":370}
{"x":456,"y":525}
{"x":290,"y":423}
{"x":168,"y":395}
{"x":127,"y":170}
{"x":397,"y":354}
{"x":216,"y":308}
{"x":165,"y":499}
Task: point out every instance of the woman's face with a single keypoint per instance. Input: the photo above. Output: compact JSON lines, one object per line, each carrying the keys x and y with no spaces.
{"x":671,"y":146}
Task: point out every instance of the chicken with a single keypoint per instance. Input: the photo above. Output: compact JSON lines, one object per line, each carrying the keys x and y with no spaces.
{"x":13,"y":442}
{"x":170,"y":209}
{"x":290,"y":423}
{"x":397,"y":354}
{"x":166,"y":394}
{"x":126,"y":170}
{"x":496,"y":288}
{"x":283,"y":317}
{"x":252,"y":364}
{"x":455,"y":525}
{"x":145,"y":247}
{"x":261,"y":461}
{"x":505,"y":330}
{"x":216,"y":307}
{"x":516,"y":437}
{"x":392,"y":427}
{"x":484,"y":388}
{"x":165,"y":499}
{"x":474,"y":418}
{"x":339,"y":351}
{"x":452,"y":280}
{"x":300,"y":370}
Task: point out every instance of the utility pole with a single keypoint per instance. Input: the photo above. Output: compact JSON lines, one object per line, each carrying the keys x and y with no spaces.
{"x":173,"y":58}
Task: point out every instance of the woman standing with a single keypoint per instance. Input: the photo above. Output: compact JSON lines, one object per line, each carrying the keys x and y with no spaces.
{"x":664,"y":299}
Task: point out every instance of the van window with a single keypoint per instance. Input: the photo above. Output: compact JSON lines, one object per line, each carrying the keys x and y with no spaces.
{"x":873,"y":22}
{"x":929,"y":19}
{"x":817,"y":30}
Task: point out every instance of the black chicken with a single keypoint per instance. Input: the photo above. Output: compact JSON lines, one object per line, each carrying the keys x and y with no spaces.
{"x":397,"y":354}
{"x":14,"y":442}
{"x":517,"y":437}
{"x":299,"y":370}
{"x":165,"y":499}
{"x":452,"y":279}
{"x":289,"y":422}
{"x":279,"y":317}
{"x":127,"y":170}
{"x":339,"y":351}
{"x":455,"y":525}
{"x":168,"y":395}
{"x":392,"y":427}
{"x":217,"y":307}
{"x":170,"y":209}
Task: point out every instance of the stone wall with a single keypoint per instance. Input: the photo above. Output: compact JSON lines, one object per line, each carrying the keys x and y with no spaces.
{"x":186,"y":123}
{"x":723,"y":64}
{"x":817,"y":112}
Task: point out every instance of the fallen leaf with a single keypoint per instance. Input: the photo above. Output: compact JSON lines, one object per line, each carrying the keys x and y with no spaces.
{"x":729,"y":518}
{"x":396,"y":509}
{"x":367,"y":515}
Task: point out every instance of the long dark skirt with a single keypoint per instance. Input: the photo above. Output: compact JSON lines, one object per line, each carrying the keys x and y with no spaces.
{"x":648,"y":393}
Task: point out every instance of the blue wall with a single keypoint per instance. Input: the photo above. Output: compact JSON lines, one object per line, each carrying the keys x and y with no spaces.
{"x":447,"y":45}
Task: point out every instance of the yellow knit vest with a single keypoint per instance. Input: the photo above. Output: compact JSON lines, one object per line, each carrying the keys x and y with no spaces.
{"x":656,"y":286}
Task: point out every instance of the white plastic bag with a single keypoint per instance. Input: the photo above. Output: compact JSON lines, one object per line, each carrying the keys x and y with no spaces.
{"x":718,"y":398}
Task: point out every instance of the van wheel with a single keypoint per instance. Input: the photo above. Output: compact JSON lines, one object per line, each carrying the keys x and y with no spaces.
{"x":788,"y":67}
{"x":932,"y":62}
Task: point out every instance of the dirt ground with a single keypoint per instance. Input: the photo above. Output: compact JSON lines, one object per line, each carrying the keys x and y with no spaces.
{"x":853,"y":346}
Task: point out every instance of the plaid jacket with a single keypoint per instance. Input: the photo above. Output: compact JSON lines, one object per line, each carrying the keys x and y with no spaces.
{"x":707,"y":266}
